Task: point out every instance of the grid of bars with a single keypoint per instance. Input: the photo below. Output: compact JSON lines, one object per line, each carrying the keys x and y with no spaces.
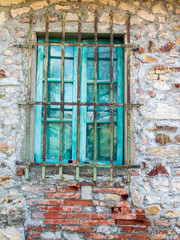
{"x":45,"y":103}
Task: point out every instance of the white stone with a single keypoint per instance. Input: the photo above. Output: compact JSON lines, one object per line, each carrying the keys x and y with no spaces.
{"x":160,"y":184}
{"x":170,"y":152}
{"x":71,"y":17}
{"x":163,"y":78}
{"x":48,"y":235}
{"x":2,"y":18}
{"x":170,"y":61}
{"x":86,"y":192}
{"x":145,"y":15}
{"x":176,"y":184}
{"x":137,"y":193}
{"x":163,"y":111}
{"x":162,"y":86}
{"x":9,"y":233}
{"x":8,"y":53}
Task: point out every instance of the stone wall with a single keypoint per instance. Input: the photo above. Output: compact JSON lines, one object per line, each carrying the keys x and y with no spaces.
{"x":148,"y":208}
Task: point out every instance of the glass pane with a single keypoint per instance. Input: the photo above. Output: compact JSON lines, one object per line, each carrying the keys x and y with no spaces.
{"x":103,"y":113}
{"x":67,"y":141}
{"x":54,"y":96}
{"x":103,"y":143}
{"x":69,"y":52}
{"x":103,"y":93}
{"x":52,"y":144}
{"x":69,"y":62}
{"x":90,"y":113}
{"x":54,"y":69}
{"x":55,"y":51}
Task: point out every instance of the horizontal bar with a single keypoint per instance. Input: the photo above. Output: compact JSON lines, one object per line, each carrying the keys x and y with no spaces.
{"x":79,"y":165}
{"x":79,"y":44}
{"x":54,"y":120}
{"x":81,"y":104}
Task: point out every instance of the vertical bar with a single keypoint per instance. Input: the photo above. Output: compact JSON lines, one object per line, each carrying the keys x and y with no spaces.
{"x":128,"y":94}
{"x":95,"y":98}
{"x":111,"y":99}
{"x":78,"y":96}
{"x":62,"y":97}
{"x":45,"y":93}
{"x":29,"y":96}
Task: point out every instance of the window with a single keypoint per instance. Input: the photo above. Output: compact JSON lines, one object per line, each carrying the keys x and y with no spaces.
{"x":87,"y":100}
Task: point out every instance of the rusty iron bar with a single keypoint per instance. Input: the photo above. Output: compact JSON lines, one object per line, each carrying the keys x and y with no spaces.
{"x":78,"y":96}
{"x":81,"y":104}
{"x":133,"y":46}
{"x":95,"y":97}
{"x":62,"y":97}
{"x":111,"y":99}
{"x":81,"y":165}
{"x":29,"y":95}
{"x":45,"y":92}
{"x":128,"y":97}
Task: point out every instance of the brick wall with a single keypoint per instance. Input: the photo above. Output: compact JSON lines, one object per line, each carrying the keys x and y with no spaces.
{"x":148,"y":208}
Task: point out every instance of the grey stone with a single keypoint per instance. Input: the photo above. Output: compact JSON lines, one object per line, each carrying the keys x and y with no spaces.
{"x":86,"y":192}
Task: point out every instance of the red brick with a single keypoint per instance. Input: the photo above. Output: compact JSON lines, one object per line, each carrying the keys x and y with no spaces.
{"x":115,"y":210}
{"x":61,"y":221}
{"x":133,"y":222}
{"x":96,"y":222}
{"x":141,"y":50}
{"x":123,"y":204}
{"x":34,"y":234}
{"x":87,"y":215}
{"x":139,"y":90}
{"x":140,"y":211}
{"x":120,"y":191}
{"x":79,"y":202}
{"x":151,"y":94}
{"x":72,"y":188}
{"x":77,"y":229}
{"x":64,"y":209}
{"x":46,"y":202}
{"x":20,"y":171}
{"x":96,"y":236}
{"x":63,"y":195}
{"x":141,"y":217}
{"x":128,"y":229}
{"x":126,"y":210}
{"x":140,"y":229}
{"x":122,"y":216}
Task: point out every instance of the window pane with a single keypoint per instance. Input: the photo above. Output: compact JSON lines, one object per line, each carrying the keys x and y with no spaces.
{"x":69,"y":62}
{"x":103,"y":113}
{"x":55,"y":51}
{"x":54,"y":69}
{"x":67,"y":141}
{"x":52,"y":146}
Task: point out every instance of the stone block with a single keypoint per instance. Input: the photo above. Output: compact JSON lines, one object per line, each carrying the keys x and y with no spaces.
{"x":38,"y":5}
{"x":62,"y":7}
{"x":6,"y":149}
{"x":158,"y":8}
{"x":149,"y":59}
{"x":153,"y":210}
{"x":162,"y":86}
{"x":2,"y":18}
{"x":9,"y":2}
{"x":178,"y":40}
{"x":163,"y":111}
{"x":94,"y":6}
{"x":160,"y":184}
{"x":86,"y":192}
{"x":173,"y":213}
{"x":176,"y":184}
{"x":145,"y":15}
{"x":19,"y":11}
{"x":163,"y":139}
{"x":108,"y":2}
{"x":9,"y":233}
{"x":170,"y":152}
{"x":113,"y":197}
{"x":126,"y":7}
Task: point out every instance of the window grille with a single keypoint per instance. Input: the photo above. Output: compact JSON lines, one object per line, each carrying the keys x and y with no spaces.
{"x":128,"y":105}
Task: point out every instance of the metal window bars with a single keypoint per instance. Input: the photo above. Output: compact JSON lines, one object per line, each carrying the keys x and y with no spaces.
{"x":30,"y":44}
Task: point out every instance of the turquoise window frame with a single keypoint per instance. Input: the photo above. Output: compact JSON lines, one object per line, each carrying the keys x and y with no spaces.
{"x":83,"y":111}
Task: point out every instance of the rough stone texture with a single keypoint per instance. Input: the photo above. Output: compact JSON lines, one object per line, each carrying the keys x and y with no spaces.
{"x":148,"y":207}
